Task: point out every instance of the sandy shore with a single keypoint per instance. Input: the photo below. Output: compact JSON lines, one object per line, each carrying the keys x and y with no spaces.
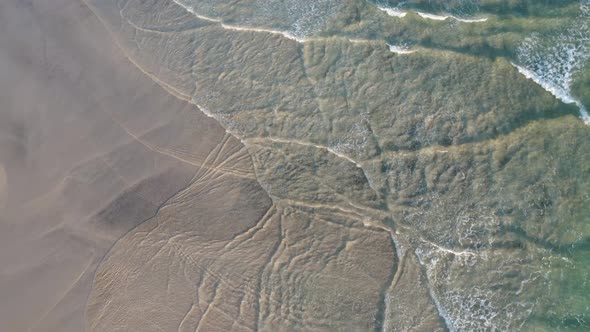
{"x":89,"y":146}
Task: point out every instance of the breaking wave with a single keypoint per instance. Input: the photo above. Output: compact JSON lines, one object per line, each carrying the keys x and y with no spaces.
{"x":552,"y":61}
{"x":445,"y":17}
{"x":393,"y":11}
{"x":399,"y":12}
{"x":403,"y":49}
{"x":295,"y":19}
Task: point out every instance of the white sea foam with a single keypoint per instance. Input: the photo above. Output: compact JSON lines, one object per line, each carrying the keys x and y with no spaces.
{"x":552,"y":61}
{"x":285,"y":34}
{"x":298,"y":19}
{"x":396,"y":12}
{"x":271,"y":31}
{"x":393,"y":11}
{"x":432,"y":16}
{"x":559,"y":92}
{"x":444,"y":17}
{"x":400,"y":49}
{"x":429,"y":261}
{"x":470,"y":20}
{"x":476,"y":308}
{"x":197,"y":15}
{"x":553,"y":66}
{"x":236,"y":27}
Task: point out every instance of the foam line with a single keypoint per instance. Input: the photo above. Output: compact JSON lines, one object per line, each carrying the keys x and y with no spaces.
{"x":444,"y":17}
{"x":442,"y":312}
{"x":393,"y":11}
{"x":400,"y":50}
{"x":395,"y":49}
{"x":470,"y":20}
{"x":236,"y":27}
{"x":303,"y":143}
{"x":432,"y":16}
{"x":275,"y":32}
{"x":558,"y":92}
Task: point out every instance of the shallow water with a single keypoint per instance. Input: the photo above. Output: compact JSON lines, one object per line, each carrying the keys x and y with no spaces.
{"x":454,"y":130}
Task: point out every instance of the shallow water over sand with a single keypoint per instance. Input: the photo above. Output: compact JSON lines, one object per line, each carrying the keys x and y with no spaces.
{"x":425,"y":128}
{"x":386,"y":165}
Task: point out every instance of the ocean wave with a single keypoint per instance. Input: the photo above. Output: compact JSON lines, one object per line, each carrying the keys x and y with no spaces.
{"x":469,"y":20}
{"x":432,"y":16}
{"x":400,"y":49}
{"x":552,"y":61}
{"x":226,"y":26}
{"x":396,"y":12}
{"x":559,"y":92}
{"x":288,"y":35}
{"x":296,"y":19}
{"x":393,"y":11}
{"x":445,"y":17}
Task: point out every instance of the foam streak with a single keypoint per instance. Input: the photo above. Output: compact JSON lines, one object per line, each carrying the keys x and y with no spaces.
{"x":400,"y":50}
{"x":444,"y":17}
{"x":393,"y":12}
{"x":556,"y":91}
{"x":271,"y":31}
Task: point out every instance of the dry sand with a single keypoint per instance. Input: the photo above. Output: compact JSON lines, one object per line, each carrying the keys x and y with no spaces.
{"x":2,"y":187}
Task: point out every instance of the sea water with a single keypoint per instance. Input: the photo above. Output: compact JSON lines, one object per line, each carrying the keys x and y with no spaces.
{"x":535,"y":277}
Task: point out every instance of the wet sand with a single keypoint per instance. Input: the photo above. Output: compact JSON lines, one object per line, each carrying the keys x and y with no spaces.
{"x":91,"y":148}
